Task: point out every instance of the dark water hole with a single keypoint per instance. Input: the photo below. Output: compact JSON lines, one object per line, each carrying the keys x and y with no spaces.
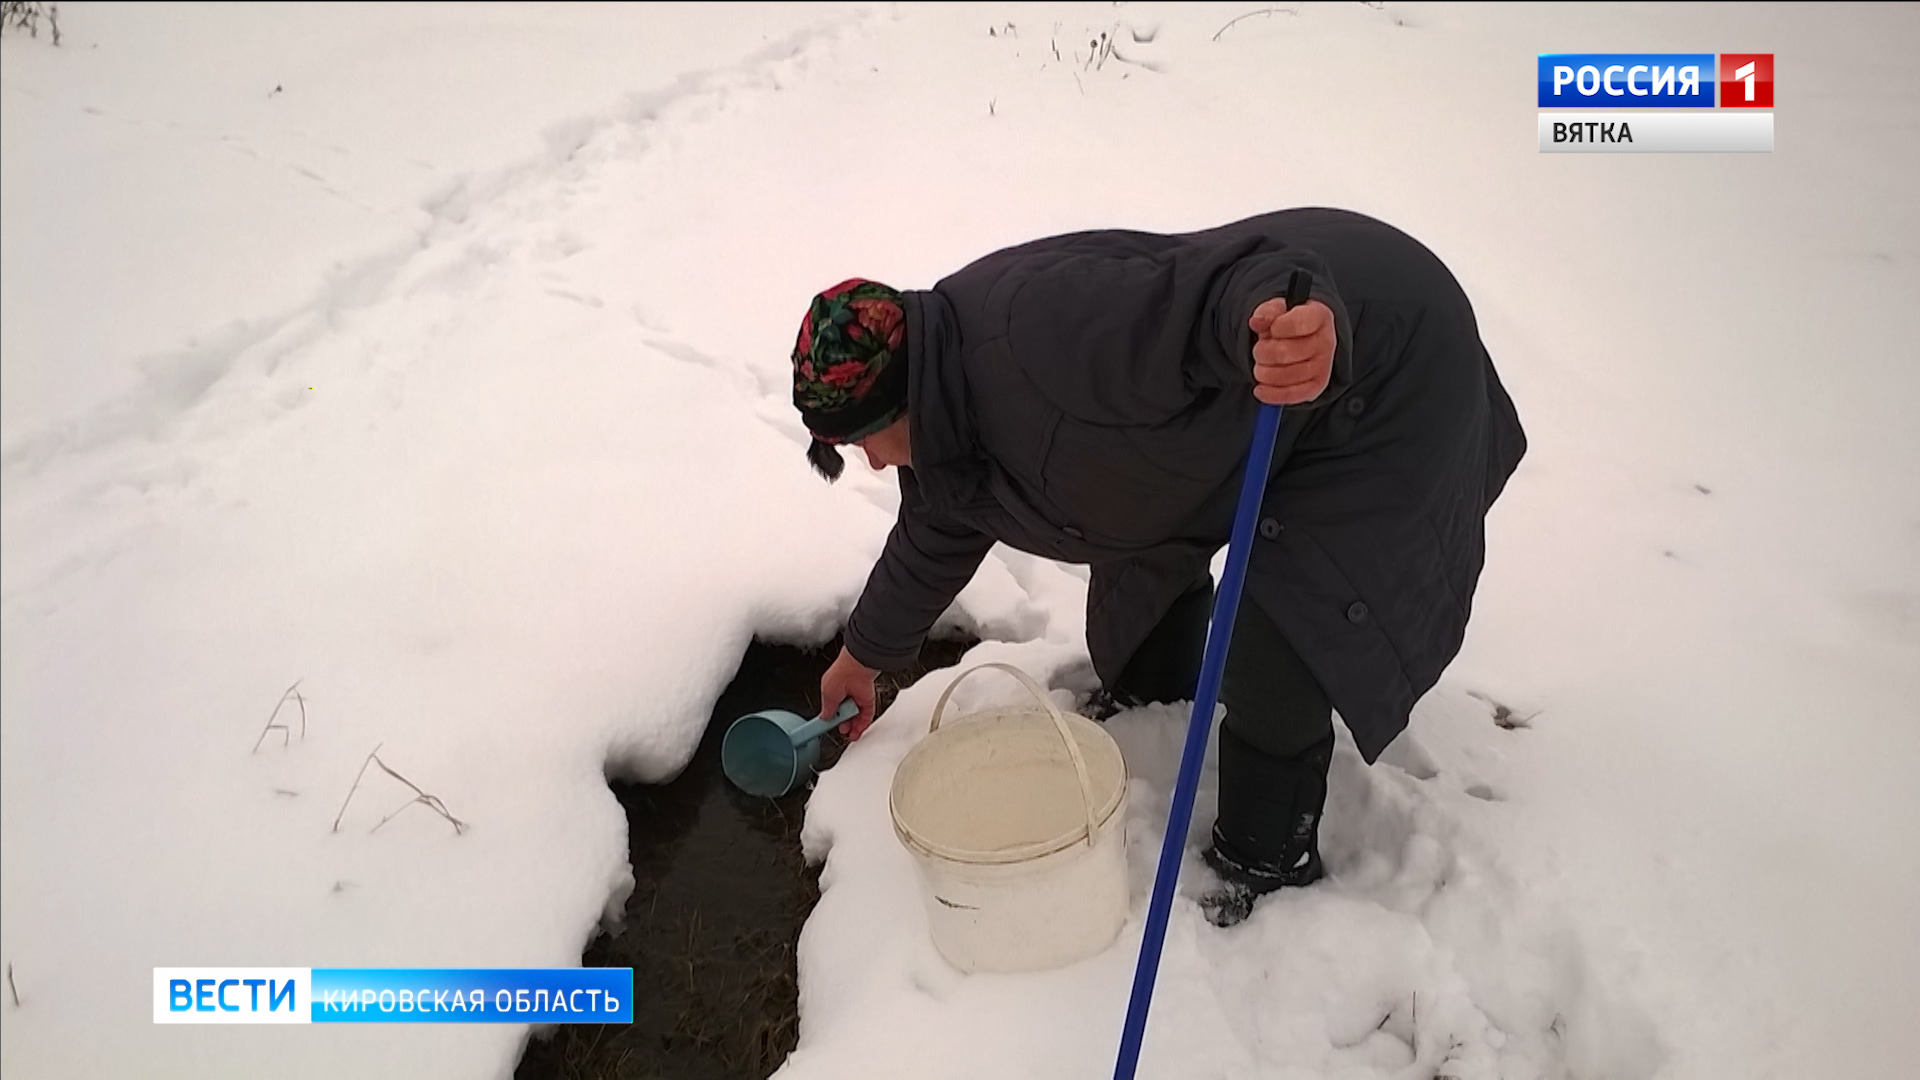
{"x":720,"y":892}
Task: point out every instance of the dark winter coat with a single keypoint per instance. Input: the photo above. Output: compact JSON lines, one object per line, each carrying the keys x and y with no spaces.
{"x":1088,"y":398}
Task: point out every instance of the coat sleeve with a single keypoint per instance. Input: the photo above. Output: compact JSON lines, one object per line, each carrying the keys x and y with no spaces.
{"x":927,"y":560}
{"x":1134,"y":334}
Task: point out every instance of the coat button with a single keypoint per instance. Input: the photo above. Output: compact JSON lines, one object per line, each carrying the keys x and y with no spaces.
{"x":1356,"y":406}
{"x":1270,"y":529}
{"x":1075,"y":533}
{"x":1356,"y":613}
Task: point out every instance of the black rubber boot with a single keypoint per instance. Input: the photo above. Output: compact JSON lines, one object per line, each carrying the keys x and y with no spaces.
{"x":1275,"y":745}
{"x":1102,"y":704}
{"x":1267,"y":836}
{"x":1240,"y":885}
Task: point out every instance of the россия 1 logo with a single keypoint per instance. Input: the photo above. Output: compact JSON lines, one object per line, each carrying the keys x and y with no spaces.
{"x":1672,"y":98}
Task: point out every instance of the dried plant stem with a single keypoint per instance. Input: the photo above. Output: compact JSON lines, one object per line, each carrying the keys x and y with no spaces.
{"x":286,"y":733}
{"x":356,"y":787}
{"x":421,"y":797}
{"x":431,"y":802}
{"x":28,"y":13}
{"x":1251,"y":14}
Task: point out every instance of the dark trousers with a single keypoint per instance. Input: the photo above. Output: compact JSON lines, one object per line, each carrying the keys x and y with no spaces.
{"x":1276,"y":742}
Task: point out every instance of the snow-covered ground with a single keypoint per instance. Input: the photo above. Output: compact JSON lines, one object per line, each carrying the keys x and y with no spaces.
{"x":435,"y":357}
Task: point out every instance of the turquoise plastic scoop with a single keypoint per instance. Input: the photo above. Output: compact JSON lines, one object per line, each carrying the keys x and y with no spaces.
{"x":772,"y":752}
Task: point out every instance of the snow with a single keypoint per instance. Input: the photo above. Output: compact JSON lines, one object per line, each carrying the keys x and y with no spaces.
{"x":449,"y":380}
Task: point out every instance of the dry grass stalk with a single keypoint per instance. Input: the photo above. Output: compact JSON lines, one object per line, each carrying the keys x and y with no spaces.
{"x":1263,"y":11}
{"x":421,"y":797}
{"x":286,"y":733}
{"x":28,"y":13}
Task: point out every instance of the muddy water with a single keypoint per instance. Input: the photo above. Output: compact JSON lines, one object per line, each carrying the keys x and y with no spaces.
{"x":720,"y":893}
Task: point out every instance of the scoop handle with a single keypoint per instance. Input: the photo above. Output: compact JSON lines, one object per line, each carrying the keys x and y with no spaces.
{"x":815,"y":728}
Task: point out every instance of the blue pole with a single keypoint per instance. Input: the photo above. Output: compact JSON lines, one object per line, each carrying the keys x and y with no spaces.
{"x":1213,"y":664}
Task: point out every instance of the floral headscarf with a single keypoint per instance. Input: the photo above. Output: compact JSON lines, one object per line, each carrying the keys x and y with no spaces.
{"x":849,"y":370}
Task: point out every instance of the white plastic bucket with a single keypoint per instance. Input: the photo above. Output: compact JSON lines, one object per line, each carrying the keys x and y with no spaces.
{"x":1016,"y":817}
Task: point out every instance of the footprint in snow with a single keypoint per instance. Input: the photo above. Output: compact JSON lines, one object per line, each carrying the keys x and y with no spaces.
{"x":1422,"y":954}
{"x":578,"y":298}
{"x":1504,"y":716}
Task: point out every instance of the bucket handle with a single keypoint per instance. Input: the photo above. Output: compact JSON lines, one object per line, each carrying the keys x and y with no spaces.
{"x":1059,"y":723}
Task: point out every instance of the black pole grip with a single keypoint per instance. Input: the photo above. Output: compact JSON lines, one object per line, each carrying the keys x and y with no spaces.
{"x":1299,"y":288}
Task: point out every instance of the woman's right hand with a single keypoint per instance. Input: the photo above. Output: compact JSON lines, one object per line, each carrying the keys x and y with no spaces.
{"x":1293,"y":351}
{"x":848,"y":678}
